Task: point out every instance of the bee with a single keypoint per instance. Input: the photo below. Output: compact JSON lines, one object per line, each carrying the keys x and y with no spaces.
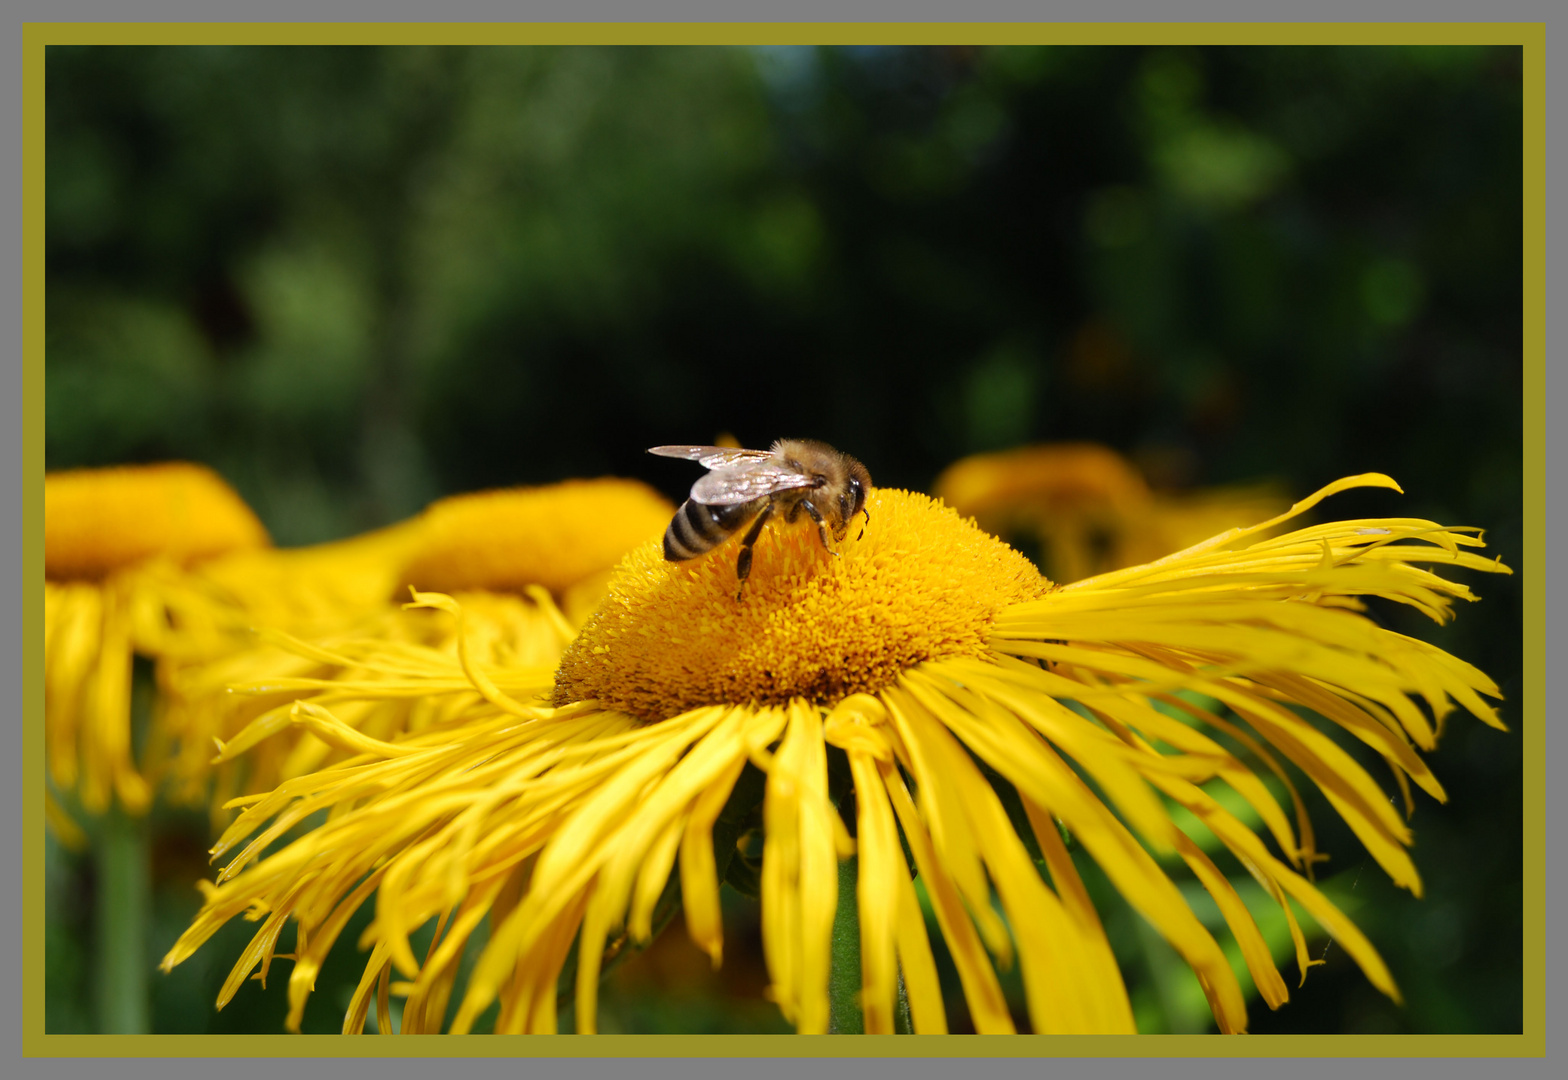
{"x":752,"y":485}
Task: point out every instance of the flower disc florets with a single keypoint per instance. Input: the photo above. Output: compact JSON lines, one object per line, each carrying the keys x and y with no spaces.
{"x":920,"y":583}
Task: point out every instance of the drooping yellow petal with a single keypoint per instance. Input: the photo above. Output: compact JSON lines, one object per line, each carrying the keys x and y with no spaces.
{"x":88,"y":652}
{"x":1106,"y":758}
{"x":987,"y":1006}
{"x":1245,"y":844}
{"x":929,"y":750}
{"x":376,"y":970}
{"x":308,"y":961}
{"x":1070,"y":986}
{"x":1046,"y":780}
{"x":1075,"y":899}
{"x":427,"y":1004}
{"x":799,"y":874}
{"x":916,"y":964}
{"x":1254,"y":950}
{"x":880,"y":868}
{"x":1247,"y":627}
{"x":699,"y":874}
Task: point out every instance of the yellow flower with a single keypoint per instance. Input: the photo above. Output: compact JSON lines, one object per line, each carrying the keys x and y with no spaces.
{"x":104,"y":529}
{"x":930,"y":655}
{"x":332,"y":624}
{"x":553,"y":536}
{"x":1088,"y":509}
{"x":99,"y":521}
{"x":243,"y":602}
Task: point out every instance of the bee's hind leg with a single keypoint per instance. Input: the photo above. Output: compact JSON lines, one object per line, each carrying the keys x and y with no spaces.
{"x":743,"y":560}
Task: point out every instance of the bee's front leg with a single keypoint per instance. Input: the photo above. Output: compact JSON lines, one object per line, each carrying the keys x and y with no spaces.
{"x":743,"y":560}
{"x":822,"y":526}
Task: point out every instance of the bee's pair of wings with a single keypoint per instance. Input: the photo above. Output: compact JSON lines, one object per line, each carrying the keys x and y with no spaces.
{"x":736,"y":475}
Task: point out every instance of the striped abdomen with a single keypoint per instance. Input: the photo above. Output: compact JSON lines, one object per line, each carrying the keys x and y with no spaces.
{"x":697,"y":528}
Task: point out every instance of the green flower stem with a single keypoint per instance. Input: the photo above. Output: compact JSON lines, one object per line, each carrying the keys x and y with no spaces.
{"x":903,"y":1022}
{"x":122,"y":904}
{"x":844,"y":1015}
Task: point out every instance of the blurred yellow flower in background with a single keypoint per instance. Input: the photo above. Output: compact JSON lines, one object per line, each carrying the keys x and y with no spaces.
{"x":979,"y":710}
{"x":1088,"y":509}
{"x":562,"y":537}
{"x":110,"y":537}
{"x":330,"y":620}
{"x":167,"y":562}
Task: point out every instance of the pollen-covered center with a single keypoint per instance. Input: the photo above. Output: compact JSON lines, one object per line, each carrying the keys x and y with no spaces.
{"x":920,"y":583}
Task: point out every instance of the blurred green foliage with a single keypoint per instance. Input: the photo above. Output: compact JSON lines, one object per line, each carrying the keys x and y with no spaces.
{"x":355,"y":279}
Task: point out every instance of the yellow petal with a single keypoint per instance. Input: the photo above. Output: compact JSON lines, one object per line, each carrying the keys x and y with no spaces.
{"x":916,"y":963}
{"x":799,"y":873}
{"x":881,"y":868}
{"x":699,"y":874}
{"x":1254,"y":950}
{"x":987,"y":1006}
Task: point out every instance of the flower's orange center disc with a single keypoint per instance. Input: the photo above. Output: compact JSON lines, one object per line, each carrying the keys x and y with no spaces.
{"x":919,"y":583}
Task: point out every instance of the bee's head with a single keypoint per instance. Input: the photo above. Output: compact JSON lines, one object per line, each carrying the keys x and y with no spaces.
{"x":852,"y":500}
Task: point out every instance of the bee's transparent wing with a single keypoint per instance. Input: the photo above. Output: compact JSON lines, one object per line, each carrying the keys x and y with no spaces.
{"x":746,"y":481}
{"x":712,"y":457}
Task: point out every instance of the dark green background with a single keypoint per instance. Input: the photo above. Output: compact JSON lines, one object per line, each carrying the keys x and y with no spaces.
{"x":355,"y":279}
